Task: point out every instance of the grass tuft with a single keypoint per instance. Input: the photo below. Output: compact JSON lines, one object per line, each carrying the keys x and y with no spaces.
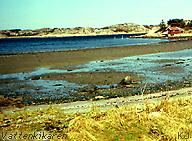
{"x":161,"y":121}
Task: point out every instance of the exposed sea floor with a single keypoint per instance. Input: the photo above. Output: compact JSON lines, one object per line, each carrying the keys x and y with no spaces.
{"x":151,"y":69}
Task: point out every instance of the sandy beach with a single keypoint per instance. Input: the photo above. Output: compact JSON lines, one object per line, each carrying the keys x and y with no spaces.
{"x":31,"y":61}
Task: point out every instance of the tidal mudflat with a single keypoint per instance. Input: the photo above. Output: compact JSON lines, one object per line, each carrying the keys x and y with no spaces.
{"x":96,"y":79}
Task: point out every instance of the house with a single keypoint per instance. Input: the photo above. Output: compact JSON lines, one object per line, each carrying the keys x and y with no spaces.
{"x":174,"y":30}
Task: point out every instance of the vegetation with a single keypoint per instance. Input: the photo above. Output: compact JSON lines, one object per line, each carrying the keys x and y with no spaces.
{"x":186,"y":25}
{"x":162,"y":26}
{"x":189,"y":24}
{"x":167,"y":120}
{"x":176,"y":22}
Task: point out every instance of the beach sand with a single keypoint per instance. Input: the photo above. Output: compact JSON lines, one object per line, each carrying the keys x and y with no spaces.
{"x":31,"y":61}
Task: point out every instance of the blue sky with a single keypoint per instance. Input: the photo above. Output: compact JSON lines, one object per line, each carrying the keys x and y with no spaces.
{"x":34,"y":14}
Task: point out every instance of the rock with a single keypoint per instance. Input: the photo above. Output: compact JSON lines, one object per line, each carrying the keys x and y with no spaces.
{"x":126,"y":81}
{"x":57,"y":85}
{"x":126,"y":27}
{"x":186,"y":83}
{"x":180,"y":62}
{"x":130,"y":86}
{"x":58,"y":31}
{"x":168,"y":65}
{"x":27,"y":33}
{"x":99,"y":97}
{"x":168,"y":83}
{"x":35,"y":77}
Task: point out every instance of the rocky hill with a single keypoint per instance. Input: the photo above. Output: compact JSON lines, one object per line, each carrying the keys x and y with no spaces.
{"x":77,"y":31}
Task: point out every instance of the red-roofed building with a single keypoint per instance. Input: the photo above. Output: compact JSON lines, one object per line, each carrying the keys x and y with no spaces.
{"x":174,"y":30}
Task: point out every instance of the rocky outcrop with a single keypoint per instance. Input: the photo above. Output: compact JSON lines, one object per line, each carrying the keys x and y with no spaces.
{"x":3,"y":36}
{"x":27,"y":33}
{"x":127,"y":27}
{"x":114,"y":29}
{"x":18,"y":32}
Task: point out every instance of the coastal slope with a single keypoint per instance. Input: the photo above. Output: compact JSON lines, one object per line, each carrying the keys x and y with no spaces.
{"x":76,"y":31}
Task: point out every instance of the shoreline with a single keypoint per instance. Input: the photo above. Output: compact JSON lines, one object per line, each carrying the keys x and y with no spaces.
{"x":73,"y":35}
{"x":105,"y":104}
{"x":171,"y":39}
{"x":30,"y":61}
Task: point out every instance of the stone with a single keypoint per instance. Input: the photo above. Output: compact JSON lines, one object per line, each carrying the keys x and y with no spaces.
{"x":99,"y":97}
{"x":180,"y":62}
{"x":35,"y":77}
{"x":126,"y":81}
{"x":168,"y":65}
{"x":57,"y":85}
{"x":130,"y":86}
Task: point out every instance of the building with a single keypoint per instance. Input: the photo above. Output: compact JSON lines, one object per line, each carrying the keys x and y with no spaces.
{"x":174,"y":30}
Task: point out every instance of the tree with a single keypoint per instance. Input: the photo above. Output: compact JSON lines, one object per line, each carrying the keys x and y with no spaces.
{"x":162,"y":26}
{"x":189,"y":24}
{"x":176,"y":22}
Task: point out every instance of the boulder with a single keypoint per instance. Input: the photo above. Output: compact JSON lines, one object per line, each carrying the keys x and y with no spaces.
{"x":126,"y":81}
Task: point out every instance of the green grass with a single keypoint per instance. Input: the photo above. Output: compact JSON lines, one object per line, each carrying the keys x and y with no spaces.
{"x":153,"y":122}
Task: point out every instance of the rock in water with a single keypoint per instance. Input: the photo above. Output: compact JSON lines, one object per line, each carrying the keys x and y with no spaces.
{"x":126,"y":81}
{"x":35,"y":78}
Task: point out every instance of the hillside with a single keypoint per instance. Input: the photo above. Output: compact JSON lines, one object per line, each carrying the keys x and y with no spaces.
{"x":77,"y":31}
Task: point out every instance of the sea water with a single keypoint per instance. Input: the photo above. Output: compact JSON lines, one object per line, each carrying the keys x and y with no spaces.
{"x":29,"y":45}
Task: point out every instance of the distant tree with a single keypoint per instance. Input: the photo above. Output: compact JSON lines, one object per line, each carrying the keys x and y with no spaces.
{"x":176,"y":22}
{"x":189,"y":24}
{"x":162,"y":26}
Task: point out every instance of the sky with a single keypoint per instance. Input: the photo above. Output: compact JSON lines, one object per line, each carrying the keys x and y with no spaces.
{"x":35,"y":14}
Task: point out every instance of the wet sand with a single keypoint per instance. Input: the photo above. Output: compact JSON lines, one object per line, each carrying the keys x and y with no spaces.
{"x":31,"y":61}
{"x":95,"y":78}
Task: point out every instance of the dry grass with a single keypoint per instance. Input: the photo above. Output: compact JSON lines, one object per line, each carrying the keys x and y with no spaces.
{"x":153,"y":122}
